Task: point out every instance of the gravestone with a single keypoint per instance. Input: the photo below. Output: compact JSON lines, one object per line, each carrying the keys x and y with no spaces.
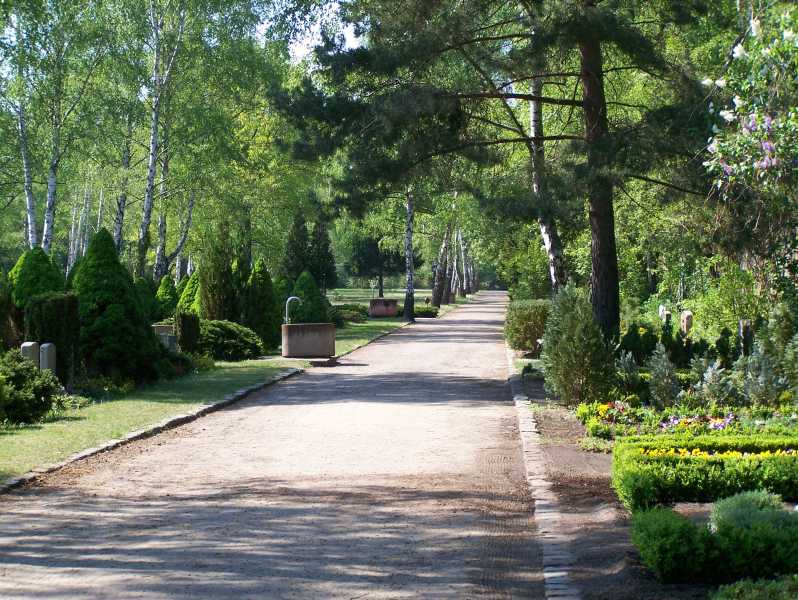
{"x":687,"y":322}
{"x":47,"y":357}
{"x":30,"y":350}
{"x":662,"y":311}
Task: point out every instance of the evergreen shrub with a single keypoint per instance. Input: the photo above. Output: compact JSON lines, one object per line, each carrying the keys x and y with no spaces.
{"x":116,"y":340}
{"x":425,"y":312}
{"x":785,"y":588}
{"x":224,"y":340}
{"x":261,"y":307}
{"x":652,"y":470}
{"x":577,"y":361}
{"x":145,"y":290}
{"x":189,"y":301}
{"x":33,"y":274}
{"x":217,"y":290}
{"x":763,"y":543}
{"x":313,"y":308}
{"x":187,"y":330}
{"x":27,"y":393}
{"x":167,"y":297}
{"x":526,"y":323}
{"x":54,"y":317}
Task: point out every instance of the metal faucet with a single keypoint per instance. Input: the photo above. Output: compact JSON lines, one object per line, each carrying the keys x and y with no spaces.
{"x":287,"y":302}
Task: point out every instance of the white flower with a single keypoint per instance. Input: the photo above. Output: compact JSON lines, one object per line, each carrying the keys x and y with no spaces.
{"x":788,"y":35}
{"x":707,"y":82}
{"x":738,"y":102}
{"x":715,"y":129}
{"x":756,"y":27}
{"x":712,"y":148}
{"x":721,"y":83}
{"x":739,"y":52}
{"x":727,"y":115}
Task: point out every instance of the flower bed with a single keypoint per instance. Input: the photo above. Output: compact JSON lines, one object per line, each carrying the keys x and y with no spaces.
{"x":647,"y":471}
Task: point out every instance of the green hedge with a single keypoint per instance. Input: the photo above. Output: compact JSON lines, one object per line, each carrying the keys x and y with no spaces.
{"x":751,"y":535}
{"x":224,"y":340}
{"x":785,"y":588}
{"x":644,"y":481}
{"x":526,"y":323}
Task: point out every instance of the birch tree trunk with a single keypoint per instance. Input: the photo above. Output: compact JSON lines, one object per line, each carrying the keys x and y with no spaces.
{"x":161,"y":267}
{"x":159,"y":82}
{"x":440,"y":270}
{"x":410,"y":291}
{"x":446,"y":297}
{"x":52,"y":173}
{"x":30,"y":200}
{"x":73,"y":233}
{"x":121,"y":201}
{"x":558,"y":273}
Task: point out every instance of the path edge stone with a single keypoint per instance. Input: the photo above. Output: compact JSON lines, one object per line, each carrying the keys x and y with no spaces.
{"x":140,"y":434}
{"x":554,"y":543}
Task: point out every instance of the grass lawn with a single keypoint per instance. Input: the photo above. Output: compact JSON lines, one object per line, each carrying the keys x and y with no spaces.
{"x":363,"y":295}
{"x":27,"y":447}
{"x":356,"y":334}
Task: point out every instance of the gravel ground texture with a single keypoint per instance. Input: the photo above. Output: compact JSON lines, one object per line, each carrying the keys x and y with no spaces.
{"x":396,"y":474}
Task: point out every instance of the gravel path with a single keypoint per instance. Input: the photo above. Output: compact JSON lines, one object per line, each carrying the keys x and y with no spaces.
{"x":396,"y":474}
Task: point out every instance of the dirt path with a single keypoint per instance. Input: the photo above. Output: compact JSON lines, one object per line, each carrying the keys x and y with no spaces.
{"x":394,"y":475}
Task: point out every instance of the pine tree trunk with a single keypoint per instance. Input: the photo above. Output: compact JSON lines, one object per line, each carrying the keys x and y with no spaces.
{"x":381,"y":283}
{"x":605,"y":295}
{"x":410,"y":291}
{"x":548,"y":229}
{"x":440,"y":269}
{"x":461,"y":279}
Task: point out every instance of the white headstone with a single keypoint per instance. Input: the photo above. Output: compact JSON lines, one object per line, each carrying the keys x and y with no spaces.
{"x":30,"y":350}
{"x":47,"y":357}
{"x":662,"y":310}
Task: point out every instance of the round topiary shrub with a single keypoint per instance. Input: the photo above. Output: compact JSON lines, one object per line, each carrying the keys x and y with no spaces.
{"x":33,"y":274}
{"x":115,"y":338}
{"x":526,"y":323}
{"x":27,"y":393}
{"x":578,"y":362}
{"x":261,"y":308}
{"x":225,"y":340}
{"x":54,"y":317}
{"x":166,"y":296}
{"x":313,"y":308}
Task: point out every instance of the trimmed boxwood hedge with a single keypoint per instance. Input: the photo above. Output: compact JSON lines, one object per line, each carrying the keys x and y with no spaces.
{"x":643,"y":481}
{"x":526,"y":323}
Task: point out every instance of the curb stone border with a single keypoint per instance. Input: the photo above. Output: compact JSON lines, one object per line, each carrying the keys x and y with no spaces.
{"x":557,"y":557}
{"x":140,"y":434}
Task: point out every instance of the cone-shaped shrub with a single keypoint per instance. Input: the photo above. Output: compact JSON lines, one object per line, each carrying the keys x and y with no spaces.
{"x":33,"y":274}
{"x":313,"y":308}
{"x":217,"y":284}
{"x":261,"y":308}
{"x":115,"y":339}
{"x":166,"y":297}
{"x":189,"y":299}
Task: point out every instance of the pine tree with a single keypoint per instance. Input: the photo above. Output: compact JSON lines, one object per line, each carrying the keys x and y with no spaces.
{"x":368,"y":260}
{"x":297,"y":249}
{"x":33,"y":274}
{"x":313,"y":308}
{"x":189,"y":301}
{"x":115,"y":338}
{"x":261,"y":308}
{"x":322,"y":261}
